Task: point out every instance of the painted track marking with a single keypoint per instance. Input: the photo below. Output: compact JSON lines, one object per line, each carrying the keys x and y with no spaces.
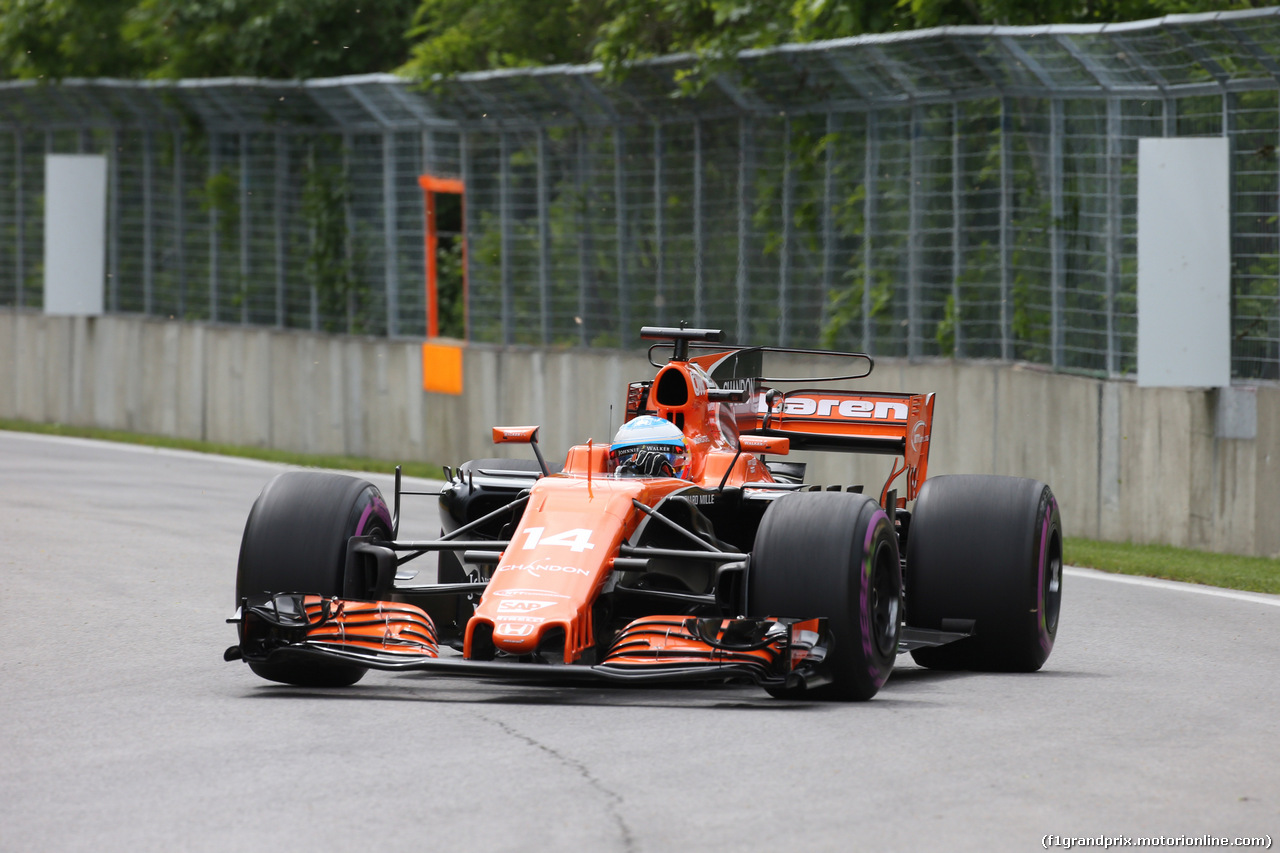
{"x":1176,"y":586}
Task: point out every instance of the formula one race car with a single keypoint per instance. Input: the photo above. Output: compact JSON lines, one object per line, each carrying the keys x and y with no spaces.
{"x":677,"y":553}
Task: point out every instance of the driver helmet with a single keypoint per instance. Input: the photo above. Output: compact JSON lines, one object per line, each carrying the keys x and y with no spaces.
{"x":644,"y":436}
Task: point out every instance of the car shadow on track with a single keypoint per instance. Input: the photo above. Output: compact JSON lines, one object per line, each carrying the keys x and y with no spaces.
{"x":921,"y":677}
{"x":479,"y":692}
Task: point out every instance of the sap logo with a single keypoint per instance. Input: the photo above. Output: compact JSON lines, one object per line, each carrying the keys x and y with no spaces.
{"x":525,"y":606}
{"x":535,"y":570}
{"x":508,"y":629}
{"x":826,"y":407}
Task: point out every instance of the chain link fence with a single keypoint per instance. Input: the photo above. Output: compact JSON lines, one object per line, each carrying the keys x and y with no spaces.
{"x":965,"y":191}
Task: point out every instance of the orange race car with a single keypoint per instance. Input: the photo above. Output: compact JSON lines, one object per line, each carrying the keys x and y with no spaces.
{"x":677,"y":552}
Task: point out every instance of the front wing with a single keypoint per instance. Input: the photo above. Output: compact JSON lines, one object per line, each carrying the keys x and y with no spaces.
{"x":397,"y":637}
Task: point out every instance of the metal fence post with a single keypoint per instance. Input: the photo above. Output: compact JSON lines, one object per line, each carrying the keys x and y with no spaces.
{"x":697,"y":222}
{"x":148,"y":221}
{"x":784,"y":256}
{"x":957,"y":315}
{"x":243,"y":284}
{"x":1006,"y":206}
{"x":504,"y":224}
{"x":870,"y":174}
{"x":744,"y":175}
{"x":914,"y":344}
{"x":544,"y":243}
{"x":1057,"y":260}
{"x":1114,"y":229}
{"x":313,"y":296}
{"x":349,"y":218}
{"x":391,"y":261}
{"x":620,"y":222}
{"x":180,"y":224}
{"x":464,"y":166}
{"x":113,"y":267}
{"x":213,"y":232}
{"x":828,"y":221}
{"x":282,"y":169}
{"x":659,"y":241}
{"x":19,"y":222}
{"x":584,"y":236}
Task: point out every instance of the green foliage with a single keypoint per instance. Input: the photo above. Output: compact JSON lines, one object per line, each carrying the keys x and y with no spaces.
{"x":1233,"y":571}
{"x":288,"y":39}
{"x":449,"y":302}
{"x":451,"y":36}
{"x":220,"y":198}
{"x":65,"y":38}
{"x":330,"y":266}
{"x":283,"y":39}
{"x":935,"y":13}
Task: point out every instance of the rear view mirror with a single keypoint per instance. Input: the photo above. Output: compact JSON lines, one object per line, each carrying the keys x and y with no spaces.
{"x":765,"y":444}
{"x":521,"y":435}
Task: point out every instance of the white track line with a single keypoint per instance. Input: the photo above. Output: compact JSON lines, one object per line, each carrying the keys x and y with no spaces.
{"x":1176,"y":586}
{"x":152,"y":450}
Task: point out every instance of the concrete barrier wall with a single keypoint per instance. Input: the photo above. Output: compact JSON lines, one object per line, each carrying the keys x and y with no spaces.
{"x":1127,"y":463}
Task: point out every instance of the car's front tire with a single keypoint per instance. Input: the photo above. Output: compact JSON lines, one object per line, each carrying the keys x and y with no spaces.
{"x":833,"y":555}
{"x":295,"y":541}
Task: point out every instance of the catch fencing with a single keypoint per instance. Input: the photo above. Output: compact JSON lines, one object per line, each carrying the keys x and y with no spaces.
{"x":964,"y":191}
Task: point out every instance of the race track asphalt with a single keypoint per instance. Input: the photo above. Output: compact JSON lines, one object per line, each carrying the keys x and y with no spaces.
{"x":121,"y":728}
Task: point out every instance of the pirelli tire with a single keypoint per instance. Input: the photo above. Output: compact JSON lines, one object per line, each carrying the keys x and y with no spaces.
{"x":833,"y":555}
{"x":986,"y":550}
{"x":295,"y":540}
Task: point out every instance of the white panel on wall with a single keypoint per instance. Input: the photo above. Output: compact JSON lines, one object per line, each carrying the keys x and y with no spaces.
{"x":1184,"y":262}
{"x":75,"y":228}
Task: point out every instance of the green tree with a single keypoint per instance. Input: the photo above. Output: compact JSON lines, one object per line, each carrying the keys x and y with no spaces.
{"x":52,"y":39}
{"x":284,"y":39}
{"x":933,"y":13}
{"x":452,"y":36}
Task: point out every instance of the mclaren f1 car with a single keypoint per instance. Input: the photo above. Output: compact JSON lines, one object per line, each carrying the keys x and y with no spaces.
{"x":684,"y":550}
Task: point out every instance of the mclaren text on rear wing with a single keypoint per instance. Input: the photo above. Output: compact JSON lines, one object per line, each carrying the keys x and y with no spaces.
{"x":884,"y":422}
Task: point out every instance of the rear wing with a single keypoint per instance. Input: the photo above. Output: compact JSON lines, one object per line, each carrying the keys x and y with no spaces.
{"x":881,"y":422}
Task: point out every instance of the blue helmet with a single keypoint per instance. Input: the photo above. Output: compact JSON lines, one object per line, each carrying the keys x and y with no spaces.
{"x":648,"y":445}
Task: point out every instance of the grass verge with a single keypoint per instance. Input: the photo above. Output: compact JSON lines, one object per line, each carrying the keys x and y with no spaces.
{"x":284,"y":457}
{"x":1233,"y":571}
{"x":1253,"y":574}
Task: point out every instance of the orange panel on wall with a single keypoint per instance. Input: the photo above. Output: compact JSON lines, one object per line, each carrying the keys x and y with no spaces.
{"x":442,"y":368}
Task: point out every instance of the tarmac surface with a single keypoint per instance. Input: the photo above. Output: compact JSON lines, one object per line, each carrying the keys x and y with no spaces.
{"x":121,"y":728}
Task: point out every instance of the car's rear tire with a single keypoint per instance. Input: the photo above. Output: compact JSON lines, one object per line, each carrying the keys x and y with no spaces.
{"x":834,"y":555}
{"x":295,"y":541}
{"x":986,"y":549}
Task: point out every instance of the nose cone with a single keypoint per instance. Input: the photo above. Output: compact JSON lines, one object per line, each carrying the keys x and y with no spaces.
{"x":552,"y":571}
